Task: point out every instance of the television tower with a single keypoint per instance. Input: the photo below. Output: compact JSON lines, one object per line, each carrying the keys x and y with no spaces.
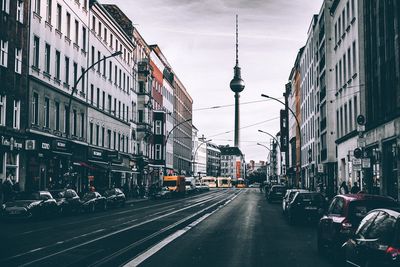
{"x":237,"y":86}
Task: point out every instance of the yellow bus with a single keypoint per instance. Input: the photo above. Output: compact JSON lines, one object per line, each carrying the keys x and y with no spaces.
{"x":224,"y":182}
{"x":209,"y":180}
{"x":240,"y":183}
{"x":175,"y":184}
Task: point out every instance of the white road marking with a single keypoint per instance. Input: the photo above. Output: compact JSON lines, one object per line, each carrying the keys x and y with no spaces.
{"x":153,"y":250}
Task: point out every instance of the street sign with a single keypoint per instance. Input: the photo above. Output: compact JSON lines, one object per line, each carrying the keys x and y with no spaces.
{"x":360,"y":128}
{"x":357,"y":168}
{"x":366,"y":163}
{"x":356,"y":161}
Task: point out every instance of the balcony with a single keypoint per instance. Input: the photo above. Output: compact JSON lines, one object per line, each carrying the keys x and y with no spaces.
{"x":144,"y":67}
{"x":143,"y":127}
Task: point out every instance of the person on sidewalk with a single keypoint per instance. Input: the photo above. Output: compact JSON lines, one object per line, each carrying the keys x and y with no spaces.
{"x":355,"y":188}
{"x":343,"y":189}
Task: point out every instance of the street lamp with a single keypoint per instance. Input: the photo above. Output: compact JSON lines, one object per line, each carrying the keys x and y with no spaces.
{"x":273,"y":137}
{"x":166,"y":141}
{"x":298,"y":127}
{"x":78,"y":80}
{"x":266,"y":172}
{"x":203,"y":141}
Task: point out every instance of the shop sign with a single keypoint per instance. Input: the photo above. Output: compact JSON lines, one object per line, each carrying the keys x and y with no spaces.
{"x":238,"y":169}
{"x":30,"y":144}
{"x":356,"y":161}
{"x":60,"y":144}
{"x":357,"y":168}
{"x":366,"y":163}
{"x":11,"y":143}
{"x":46,"y":146}
{"x":97,"y":153}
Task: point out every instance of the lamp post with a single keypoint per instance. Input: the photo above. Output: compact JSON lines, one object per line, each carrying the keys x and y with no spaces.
{"x":203,"y":141}
{"x":277,"y":142}
{"x":76,"y":83}
{"x":166,"y":141}
{"x":298,"y":127}
{"x":266,"y":172}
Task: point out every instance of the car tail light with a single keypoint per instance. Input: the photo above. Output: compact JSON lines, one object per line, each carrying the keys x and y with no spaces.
{"x":394,"y":252}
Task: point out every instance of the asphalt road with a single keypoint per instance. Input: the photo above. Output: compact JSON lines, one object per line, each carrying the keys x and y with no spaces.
{"x":247,"y":232}
{"x":223,"y":227}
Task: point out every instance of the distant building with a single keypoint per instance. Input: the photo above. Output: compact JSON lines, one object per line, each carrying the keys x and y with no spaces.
{"x":199,"y":154}
{"x":213,"y":160}
{"x":232,"y":162}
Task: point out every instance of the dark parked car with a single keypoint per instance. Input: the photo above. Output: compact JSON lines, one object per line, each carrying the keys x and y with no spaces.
{"x":343,"y":217}
{"x":276,"y":193}
{"x":68,"y":201}
{"x":290,"y":193}
{"x":30,"y":204}
{"x":376,"y":241}
{"x":163,"y":193}
{"x":93,"y":201}
{"x":306,"y":206}
{"x":115,"y":197}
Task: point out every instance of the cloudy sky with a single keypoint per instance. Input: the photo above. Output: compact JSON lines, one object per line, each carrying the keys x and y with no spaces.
{"x":198,"y":39}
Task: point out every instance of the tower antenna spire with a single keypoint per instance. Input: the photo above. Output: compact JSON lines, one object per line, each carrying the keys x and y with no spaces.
{"x":237,"y":40}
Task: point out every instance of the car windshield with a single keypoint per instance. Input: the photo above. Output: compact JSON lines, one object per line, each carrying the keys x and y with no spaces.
{"x":28,"y":196}
{"x":89,"y":196}
{"x":169,"y":183}
{"x":279,"y":189}
{"x":307,"y":197}
{"x":359,"y":208}
{"x":109,"y":193}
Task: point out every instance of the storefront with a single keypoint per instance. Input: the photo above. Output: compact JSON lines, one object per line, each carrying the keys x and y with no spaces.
{"x":55,"y":164}
{"x":11,"y":149}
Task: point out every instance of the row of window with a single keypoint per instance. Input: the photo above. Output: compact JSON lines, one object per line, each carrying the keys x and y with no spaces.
{"x":5,"y":7}
{"x":346,"y":67}
{"x":121,"y":78}
{"x":55,"y":116}
{"x":346,"y":117}
{"x":4,"y":56}
{"x":344,"y":20}
{"x":108,"y":39}
{"x":16,"y":112}
{"x":100,"y":136}
{"x":118,"y":109}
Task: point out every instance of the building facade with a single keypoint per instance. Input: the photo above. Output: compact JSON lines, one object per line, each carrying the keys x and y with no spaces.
{"x":232,"y":163}
{"x":14,"y":16}
{"x":380,"y":96}
{"x":213,"y":160}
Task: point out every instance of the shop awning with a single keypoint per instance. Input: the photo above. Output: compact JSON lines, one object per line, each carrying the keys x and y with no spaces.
{"x":112,"y":168}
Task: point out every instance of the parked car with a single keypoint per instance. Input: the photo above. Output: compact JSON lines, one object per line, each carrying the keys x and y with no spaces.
{"x":67,"y":200}
{"x":30,"y":204}
{"x":343,"y":217}
{"x":115,"y":197}
{"x":306,"y":206}
{"x":163,"y":193}
{"x":93,"y":201}
{"x":376,"y":241}
{"x":276,"y":193}
{"x":290,"y":193}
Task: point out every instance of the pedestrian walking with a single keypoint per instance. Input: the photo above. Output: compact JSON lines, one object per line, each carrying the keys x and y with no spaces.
{"x":355,"y":188}
{"x":343,"y":189}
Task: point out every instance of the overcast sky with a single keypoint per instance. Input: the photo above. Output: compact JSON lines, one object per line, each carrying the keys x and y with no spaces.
{"x":198,"y":39}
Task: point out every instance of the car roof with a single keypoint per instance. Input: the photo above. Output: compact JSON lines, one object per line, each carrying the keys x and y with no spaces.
{"x":354,"y":197}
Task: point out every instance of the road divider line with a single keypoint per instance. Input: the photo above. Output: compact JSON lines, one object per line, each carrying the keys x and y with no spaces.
{"x":154,"y":249}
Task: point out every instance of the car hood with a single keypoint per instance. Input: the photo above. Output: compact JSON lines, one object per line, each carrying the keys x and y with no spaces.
{"x":21,"y":203}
